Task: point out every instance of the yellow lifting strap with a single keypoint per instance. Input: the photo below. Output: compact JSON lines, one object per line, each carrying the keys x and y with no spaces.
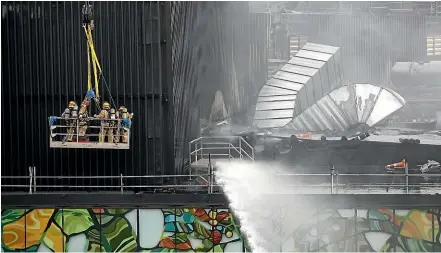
{"x":95,"y":63}
{"x":89,"y":84}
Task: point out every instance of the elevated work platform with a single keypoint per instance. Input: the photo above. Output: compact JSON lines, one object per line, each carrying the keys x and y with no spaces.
{"x":70,"y":133}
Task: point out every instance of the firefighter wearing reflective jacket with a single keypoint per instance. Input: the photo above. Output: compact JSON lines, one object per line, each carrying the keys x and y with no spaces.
{"x":125,"y":123}
{"x":83,"y":118}
{"x":70,"y":122}
{"x":113,"y":124}
{"x":105,"y":124}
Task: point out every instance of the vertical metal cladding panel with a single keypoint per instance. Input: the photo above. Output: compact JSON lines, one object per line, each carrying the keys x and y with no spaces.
{"x":216,"y":46}
{"x":44,"y":66}
{"x":370,"y":44}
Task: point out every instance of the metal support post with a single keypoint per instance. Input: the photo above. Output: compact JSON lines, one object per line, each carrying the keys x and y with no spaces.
{"x":336,"y":178}
{"x":122,"y":183}
{"x":78,"y":128}
{"x":189,"y":158}
{"x":209,"y":174}
{"x":35,"y":178}
{"x":202,"y":149}
{"x":196,"y":151}
{"x":406,"y":170}
{"x":30,"y":179}
{"x":332,"y":179}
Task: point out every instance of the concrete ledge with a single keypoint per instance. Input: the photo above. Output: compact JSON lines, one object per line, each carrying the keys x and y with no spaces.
{"x":214,"y":200}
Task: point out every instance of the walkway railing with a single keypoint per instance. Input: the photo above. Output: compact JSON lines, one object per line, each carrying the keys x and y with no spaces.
{"x":332,"y":183}
{"x":226,"y":147}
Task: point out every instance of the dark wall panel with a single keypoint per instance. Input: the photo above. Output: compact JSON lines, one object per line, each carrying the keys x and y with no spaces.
{"x":44,"y":66}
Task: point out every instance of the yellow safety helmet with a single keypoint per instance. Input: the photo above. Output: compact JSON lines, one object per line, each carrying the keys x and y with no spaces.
{"x":106,"y":105}
{"x":112,"y":111}
{"x":72,"y":104}
{"x":123,"y":108}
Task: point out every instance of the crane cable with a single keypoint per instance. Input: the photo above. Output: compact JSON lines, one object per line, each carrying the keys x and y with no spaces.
{"x":97,"y":71}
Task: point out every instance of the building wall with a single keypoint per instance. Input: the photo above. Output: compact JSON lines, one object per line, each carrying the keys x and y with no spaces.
{"x":44,"y":66}
{"x":214,"y":230}
{"x":370,"y":44}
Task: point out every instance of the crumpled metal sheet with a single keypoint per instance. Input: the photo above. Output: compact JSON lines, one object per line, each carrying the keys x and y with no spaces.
{"x":347,"y":106}
{"x":300,"y":83}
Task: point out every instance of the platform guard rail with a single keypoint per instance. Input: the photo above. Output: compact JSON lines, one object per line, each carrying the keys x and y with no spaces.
{"x":223,"y":147}
{"x":59,"y":133}
{"x":332,"y":183}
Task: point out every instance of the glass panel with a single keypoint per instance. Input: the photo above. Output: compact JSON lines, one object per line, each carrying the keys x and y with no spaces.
{"x":274,"y":114}
{"x":306,"y":234}
{"x":231,"y":235}
{"x":386,"y":104}
{"x":418,"y":230}
{"x":276,"y":98}
{"x":299,"y":69}
{"x":374,"y":229}
{"x":285,"y":84}
{"x":14,"y":230}
{"x":157,"y":229}
{"x":336,"y":230}
{"x":314,"y":55}
{"x":366,"y":95}
{"x":292,"y":77}
{"x":261,"y":106}
{"x":82,"y":226}
{"x":306,"y":62}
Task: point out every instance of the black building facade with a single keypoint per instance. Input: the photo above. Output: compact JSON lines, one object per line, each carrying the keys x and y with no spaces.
{"x":162,"y":60}
{"x":44,"y":66}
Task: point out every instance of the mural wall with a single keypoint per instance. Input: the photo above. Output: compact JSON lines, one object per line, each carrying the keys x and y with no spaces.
{"x":211,"y":230}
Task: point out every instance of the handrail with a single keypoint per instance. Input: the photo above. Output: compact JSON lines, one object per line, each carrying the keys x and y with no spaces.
{"x":171,"y":176}
{"x":360,"y":174}
{"x":249,"y":145}
{"x":334,"y":187}
{"x":198,"y":146}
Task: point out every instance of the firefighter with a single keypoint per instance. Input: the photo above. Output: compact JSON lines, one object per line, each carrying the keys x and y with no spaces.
{"x":125,"y":123}
{"x":113,"y":124}
{"x":83,"y":118}
{"x":104,"y":116}
{"x":70,"y":123}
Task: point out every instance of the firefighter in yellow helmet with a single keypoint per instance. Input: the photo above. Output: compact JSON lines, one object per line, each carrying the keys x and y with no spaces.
{"x":105,"y":123}
{"x":113,"y":124}
{"x":125,"y":123}
{"x":69,"y":116}
{"x":83,"y":118}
